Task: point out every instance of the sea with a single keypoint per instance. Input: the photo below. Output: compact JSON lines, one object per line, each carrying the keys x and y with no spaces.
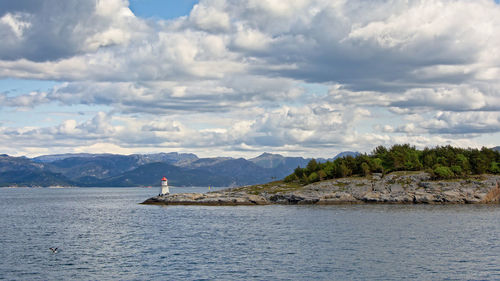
{"x":105,"y":234}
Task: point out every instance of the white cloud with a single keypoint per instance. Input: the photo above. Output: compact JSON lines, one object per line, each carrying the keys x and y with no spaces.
{"x":24,"y":101}
{"x":209,"y":16}
{"x":251,"y":39}
{"x":239,"y":67}
{"x":452,"y":98}
{"x":17,"y":22}
{"x":52,"y":30}
{"x":463,"y":123}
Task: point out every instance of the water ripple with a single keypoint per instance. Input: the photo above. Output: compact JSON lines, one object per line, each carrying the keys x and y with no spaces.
{"x":103,"y":234}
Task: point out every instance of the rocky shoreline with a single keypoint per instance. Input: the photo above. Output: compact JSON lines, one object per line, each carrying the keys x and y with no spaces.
{"x":394,"y":188}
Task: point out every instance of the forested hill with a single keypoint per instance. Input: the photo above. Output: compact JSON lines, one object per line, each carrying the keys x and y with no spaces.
{"x":442,"y":162}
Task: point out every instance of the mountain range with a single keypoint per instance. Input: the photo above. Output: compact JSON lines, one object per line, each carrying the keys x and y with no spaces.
{"x":112,"y":170}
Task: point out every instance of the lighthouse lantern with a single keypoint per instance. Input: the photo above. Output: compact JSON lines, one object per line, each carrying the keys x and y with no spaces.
{"x":164,"y":186}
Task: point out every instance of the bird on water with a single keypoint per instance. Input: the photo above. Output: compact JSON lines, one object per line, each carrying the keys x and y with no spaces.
{"x":54,"y":250}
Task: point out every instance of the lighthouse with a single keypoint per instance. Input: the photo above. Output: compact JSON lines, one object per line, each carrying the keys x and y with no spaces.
{"x":164,"y":186}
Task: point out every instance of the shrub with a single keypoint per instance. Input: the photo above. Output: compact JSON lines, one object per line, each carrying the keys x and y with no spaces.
{"x":457,"y":170}
{"x":291,"y":178}
{"x":322,"y":175}
{"x":430,"y":172}
{"x":494,"y":168}
{"x":313,"y":177}
{"x":304,"y":179}
{"x":443,"y":172}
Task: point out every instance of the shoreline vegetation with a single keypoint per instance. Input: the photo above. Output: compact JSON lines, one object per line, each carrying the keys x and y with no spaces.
{"x":398,"y":175}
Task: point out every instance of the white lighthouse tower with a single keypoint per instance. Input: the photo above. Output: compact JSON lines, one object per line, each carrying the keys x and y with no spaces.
{"x":164,"y":186}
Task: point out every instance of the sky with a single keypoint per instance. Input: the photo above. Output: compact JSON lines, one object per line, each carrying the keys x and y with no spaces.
{"x":234,"y":78}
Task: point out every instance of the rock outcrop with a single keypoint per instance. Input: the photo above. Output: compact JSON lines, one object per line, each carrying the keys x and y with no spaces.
{"x":225,"y":198}
{"x":394,"y":188}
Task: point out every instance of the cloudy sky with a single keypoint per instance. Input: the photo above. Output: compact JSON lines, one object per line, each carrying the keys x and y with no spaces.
{"x":237,"y":78}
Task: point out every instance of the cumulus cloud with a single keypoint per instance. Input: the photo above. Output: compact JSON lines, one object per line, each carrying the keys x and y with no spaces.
{"x":24,"y":101}
{"x":51,"y":30}
{"x":210,"y":16}
{"x":305,"y":125}
{"x":378,"y":46}
{"x":463,"y":123}
{"x":242,"y":67}
{"x":452,"y":98}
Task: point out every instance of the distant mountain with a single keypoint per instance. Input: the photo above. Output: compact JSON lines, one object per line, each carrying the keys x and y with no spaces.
{"x":182,"y":169}
{"x":268,"y":160}
{"x":346,"y":153}
{"x":21,"y":171}
{"x":89,"y":168}
{"x":56,"y":157}
{"x":497,"y":148}
{"x":205,"y":162}
{"x":173,"y":158}
{"x":149,"y":175}
{"x":10,"y":163}
{"x":230,"y":172}
{"x":34,"y":178}
{"x":96,"y":166}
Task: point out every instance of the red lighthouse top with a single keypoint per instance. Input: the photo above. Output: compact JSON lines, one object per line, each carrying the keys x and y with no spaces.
{"x":164,"y":179}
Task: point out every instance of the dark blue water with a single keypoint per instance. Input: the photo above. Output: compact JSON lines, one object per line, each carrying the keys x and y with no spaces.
{"x":103,"y":234}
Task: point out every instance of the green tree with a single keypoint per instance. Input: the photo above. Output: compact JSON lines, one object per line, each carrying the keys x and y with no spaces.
{"x":343,"y":171}
{"x":377,"y":165}
{"x":350,"y":163}
{"x":365,"y":169}
{"x":463,"y":162}
{"x":441,"y":162}
{"x":329,"y":169}
{"x":299,"y":172}
{"x":478,"y":162}
{"x":322,"y":175}
{"x":312,"y":166}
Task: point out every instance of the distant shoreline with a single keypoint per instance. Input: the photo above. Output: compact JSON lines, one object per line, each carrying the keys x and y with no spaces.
{"x":394,"y":188}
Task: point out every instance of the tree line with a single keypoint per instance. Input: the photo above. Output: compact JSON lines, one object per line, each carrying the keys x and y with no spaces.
{"x":441,"y":162}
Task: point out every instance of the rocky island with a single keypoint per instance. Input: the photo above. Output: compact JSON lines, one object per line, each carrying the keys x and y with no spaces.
{"x":393,"y":188}
{"x":401,"y":174}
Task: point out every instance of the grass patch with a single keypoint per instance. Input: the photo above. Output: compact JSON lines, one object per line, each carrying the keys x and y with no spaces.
{"x":404,"y":182}
{"x":404,"y":173}
{"x":270,"y":188}
{"x":340,"y":184}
